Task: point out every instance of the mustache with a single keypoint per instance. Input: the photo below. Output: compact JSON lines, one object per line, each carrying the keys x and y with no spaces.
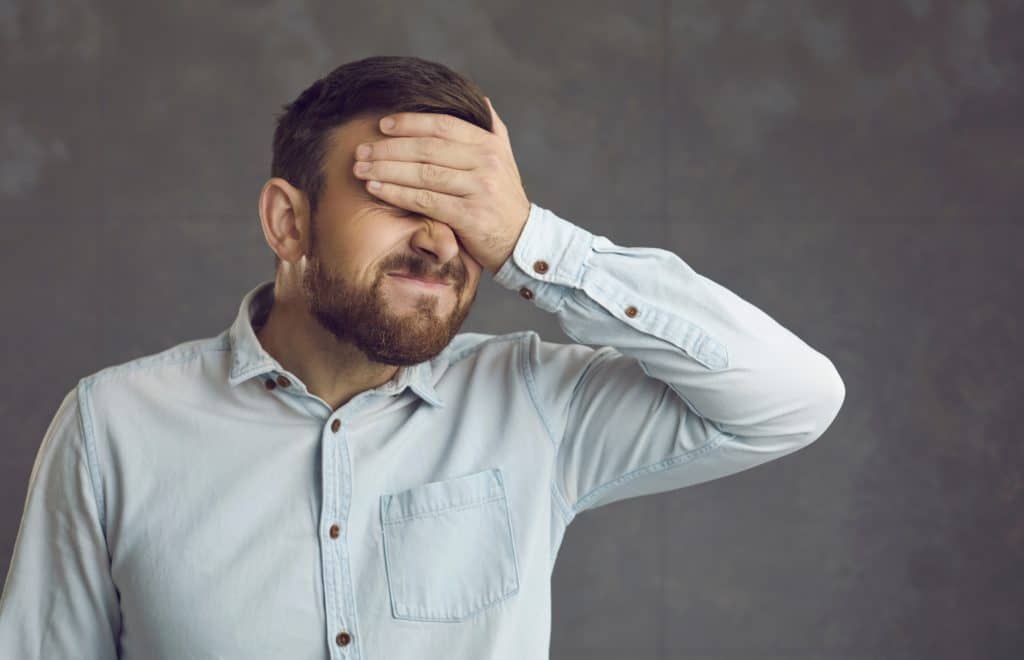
{"x":423,"y":272}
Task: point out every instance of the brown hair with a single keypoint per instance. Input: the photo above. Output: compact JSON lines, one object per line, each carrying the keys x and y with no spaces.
{"x":381,"y":84}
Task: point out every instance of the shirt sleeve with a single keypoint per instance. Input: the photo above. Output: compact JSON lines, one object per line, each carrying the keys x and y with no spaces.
{"x":685,"y":381}
{"x":59,"y":600}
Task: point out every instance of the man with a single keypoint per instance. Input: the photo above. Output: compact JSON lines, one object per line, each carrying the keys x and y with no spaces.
{"x":340,"y":474}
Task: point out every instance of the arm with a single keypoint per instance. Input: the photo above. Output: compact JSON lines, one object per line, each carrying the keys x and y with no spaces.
{"x":690,"y":382}
{"x":59,"y":600}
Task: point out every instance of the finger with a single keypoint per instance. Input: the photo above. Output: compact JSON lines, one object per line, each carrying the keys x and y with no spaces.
{"x":419,"y":175}
{"x":434,"y":124}
{"x":439,"y":151}
{"x":446,"y":208}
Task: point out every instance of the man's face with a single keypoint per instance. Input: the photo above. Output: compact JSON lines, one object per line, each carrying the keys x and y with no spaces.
{"x":357,"y":240}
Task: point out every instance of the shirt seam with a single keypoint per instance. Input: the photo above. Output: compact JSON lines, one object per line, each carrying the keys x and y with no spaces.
{"x":663,"y":319}
{"x":560,"y":500}
{"x":164,"y":358}
{"x":685,"y":457}
{"x":85,"y":420}
{"x":469,"y":350}
{"x":86,"y":415}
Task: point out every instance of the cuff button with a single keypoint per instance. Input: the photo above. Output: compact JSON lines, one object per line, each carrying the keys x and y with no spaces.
{"x":526,"y":293}
{"x":631,"y":311}
{"x":540,"y":266}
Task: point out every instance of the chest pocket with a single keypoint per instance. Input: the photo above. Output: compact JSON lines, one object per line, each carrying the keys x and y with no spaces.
{"x":449,"y":551}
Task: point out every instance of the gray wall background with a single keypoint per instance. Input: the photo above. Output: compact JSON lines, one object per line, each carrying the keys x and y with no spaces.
{"x":853,"y":168}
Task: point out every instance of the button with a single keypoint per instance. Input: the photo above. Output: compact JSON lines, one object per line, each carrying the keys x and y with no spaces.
{"x":335,"y":425}
{"x":270,"y":384}
{"x":631,"y":311}
{"x":283,"y":382}
{"x":343,"y":639}
{"x":540,"y":266}
{"x":335,"y":530}
{"x":526,"y":293}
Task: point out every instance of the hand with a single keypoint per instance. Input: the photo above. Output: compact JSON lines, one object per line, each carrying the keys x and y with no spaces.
{"x":454,"y":172}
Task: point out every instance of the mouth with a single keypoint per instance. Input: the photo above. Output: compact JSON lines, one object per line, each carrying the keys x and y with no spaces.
{"x":427,"y":282}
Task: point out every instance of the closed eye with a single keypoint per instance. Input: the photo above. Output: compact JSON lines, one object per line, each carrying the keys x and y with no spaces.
{"x":390,"y":209}
{"x":397,"y":211}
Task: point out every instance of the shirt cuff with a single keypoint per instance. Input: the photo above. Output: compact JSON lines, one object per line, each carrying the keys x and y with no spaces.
{"x":548,"y":259}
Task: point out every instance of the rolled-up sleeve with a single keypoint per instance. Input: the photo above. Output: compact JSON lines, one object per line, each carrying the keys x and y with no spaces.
{"x":683,"y":381}
{"x":59,"y":600}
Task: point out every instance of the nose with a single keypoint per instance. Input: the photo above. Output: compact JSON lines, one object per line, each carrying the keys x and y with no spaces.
{"x":436,"y":239}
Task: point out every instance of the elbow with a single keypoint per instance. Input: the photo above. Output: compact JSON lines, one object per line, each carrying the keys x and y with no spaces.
{"x":830,"y":394}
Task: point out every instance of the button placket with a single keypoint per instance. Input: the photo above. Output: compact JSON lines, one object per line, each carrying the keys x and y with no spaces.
{"x":342,"y":638}
{"x":335,"y":530}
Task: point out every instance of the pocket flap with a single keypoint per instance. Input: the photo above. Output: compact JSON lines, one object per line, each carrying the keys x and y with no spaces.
{"x":442,"y":495}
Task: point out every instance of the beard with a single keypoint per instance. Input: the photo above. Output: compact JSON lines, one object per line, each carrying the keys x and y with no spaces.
{"x":388,"y":332}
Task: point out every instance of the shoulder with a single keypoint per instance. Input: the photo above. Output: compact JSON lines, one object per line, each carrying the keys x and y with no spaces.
{"x":161,"y":363}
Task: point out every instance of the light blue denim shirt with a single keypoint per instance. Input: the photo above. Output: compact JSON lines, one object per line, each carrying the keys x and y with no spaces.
{"x":200,"y":502}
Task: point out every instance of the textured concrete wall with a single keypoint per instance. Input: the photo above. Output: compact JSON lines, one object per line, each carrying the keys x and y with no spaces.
{"x":853,"y":168}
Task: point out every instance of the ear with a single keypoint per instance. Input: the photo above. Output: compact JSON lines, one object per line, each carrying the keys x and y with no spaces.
{"x":284,"y":218}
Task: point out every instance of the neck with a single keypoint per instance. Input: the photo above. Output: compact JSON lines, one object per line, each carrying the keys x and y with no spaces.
{"x":333,"y":370}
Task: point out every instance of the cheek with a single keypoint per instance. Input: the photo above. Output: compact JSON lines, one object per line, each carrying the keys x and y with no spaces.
{"x":473,"y":271}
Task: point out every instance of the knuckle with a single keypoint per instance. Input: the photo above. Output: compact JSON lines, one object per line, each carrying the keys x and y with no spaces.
{"x":489,"y":184}
{"x":430,"y":173}
{"x":424,"y":199}
{"x":492,"y":160}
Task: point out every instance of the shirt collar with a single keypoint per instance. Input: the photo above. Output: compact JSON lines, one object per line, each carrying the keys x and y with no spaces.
{"x":249,"y":359}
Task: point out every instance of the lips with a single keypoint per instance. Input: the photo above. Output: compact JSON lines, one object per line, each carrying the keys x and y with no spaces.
{"x":424,"y":280}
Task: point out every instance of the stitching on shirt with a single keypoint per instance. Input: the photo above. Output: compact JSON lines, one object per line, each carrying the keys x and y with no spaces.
{"x":601,"y":355}
{"x":694,"y":352}
{"x":173,"y":355}
{"x":433,"y":513}
{"x":95,"y":478}
{"x":469,"y":350}
{"x":672,"y":461}
{"x":561,"y":501}
{"x":586,"y":252}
